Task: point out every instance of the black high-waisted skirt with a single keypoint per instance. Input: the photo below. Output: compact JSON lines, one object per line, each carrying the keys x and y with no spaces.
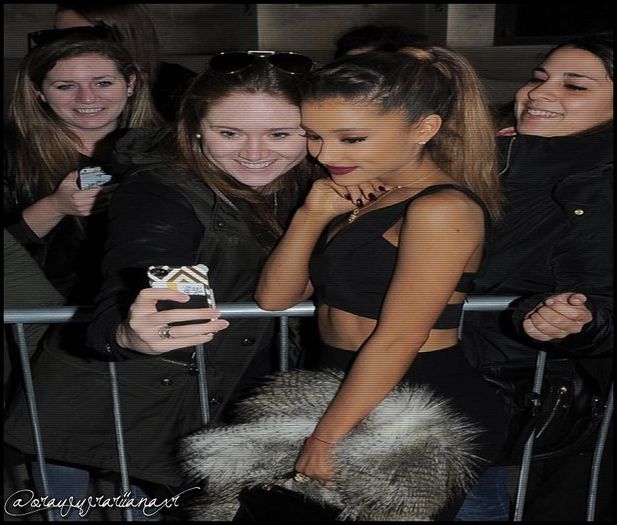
{"x":448,"y":373}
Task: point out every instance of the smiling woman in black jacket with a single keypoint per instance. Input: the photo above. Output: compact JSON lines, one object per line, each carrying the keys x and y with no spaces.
{"x":217,"y":191}
{"x":554,"y":250}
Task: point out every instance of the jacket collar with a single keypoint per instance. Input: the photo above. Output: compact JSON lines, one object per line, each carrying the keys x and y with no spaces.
{"x":549,"y":160}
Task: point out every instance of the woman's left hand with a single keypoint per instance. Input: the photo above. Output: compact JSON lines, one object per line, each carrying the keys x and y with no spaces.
{"x":316,"y":462}
{"x":557,"y":317}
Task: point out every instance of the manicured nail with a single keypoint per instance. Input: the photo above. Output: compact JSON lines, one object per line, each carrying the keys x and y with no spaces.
{"x":347,"y":196}
{"x":359,"y":203}
{"x":371,"y":197}
{"x":381,"y":188}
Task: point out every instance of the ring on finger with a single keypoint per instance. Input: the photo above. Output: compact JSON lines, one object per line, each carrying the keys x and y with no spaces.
{"x":164,"y":332}
{"x":301,"y":478}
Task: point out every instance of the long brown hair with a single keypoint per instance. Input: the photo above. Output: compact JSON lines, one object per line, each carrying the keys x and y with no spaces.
{"x":131,"y":26}
{"x":420,"y":81}
{"x":45,"y":147}
{"x":206,"y":90}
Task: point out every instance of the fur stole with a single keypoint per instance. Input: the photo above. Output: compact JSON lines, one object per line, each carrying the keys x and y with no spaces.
{"x":403,"y":462}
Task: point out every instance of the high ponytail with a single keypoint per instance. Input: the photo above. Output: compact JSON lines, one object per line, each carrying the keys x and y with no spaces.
{"x":465,"y":146}
{"x":421,"y":81}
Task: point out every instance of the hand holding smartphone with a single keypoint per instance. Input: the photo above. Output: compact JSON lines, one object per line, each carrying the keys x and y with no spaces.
{"x":92,"y":177}
{"x":147,"y":330}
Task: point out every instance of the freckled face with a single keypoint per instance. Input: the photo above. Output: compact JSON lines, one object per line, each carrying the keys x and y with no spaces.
{"x":569,"y":93}
{"x":254,"y":137}
{"x":358,"y":143}
{"x":87,"y":92}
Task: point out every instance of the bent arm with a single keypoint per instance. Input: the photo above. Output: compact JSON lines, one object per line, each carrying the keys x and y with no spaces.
{"x":149,"y":224}
{"x":284,"y":280}
{"x":66,"y":199}
{"x":13,"y":219}
{"x":583,"y":263}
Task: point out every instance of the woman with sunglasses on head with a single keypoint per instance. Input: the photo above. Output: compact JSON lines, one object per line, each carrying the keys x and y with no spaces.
{"x":132,"y":26}
{"x":390,"y":242}
{"x":218,"y":191}
{"x":554,"y":249}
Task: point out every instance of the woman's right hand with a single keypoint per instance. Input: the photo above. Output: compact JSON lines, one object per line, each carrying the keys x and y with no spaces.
{"x":68,"y":199}
{"x":140,"y":331}
{"x":328,"y":199}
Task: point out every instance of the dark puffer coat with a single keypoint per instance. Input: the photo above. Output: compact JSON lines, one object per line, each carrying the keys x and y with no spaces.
{"x":556,"y":236}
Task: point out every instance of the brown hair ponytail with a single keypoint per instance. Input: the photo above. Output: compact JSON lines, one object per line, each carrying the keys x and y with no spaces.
{"x":420,"y":81}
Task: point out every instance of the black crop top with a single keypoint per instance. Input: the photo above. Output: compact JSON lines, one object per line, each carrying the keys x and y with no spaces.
{"x":353,"y":271}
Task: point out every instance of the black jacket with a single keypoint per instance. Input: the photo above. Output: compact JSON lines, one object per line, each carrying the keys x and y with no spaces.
{"x":159,"y":215}
{"x":556,"y":236}
{"x":164,"y":215}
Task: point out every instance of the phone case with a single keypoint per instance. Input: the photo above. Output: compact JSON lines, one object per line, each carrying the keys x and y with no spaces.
{"x":191,"y":280}
{"x":92,"y":177}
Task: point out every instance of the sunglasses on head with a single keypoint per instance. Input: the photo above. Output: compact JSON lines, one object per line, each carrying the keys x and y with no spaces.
{"x":236,"y":61}
{"x":47,"y":36}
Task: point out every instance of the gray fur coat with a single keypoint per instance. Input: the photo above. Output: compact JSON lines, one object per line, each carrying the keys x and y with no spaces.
{"x":403,"y":462}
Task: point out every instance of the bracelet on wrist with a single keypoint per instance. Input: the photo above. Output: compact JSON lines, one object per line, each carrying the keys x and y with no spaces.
{"x":315,"y":438}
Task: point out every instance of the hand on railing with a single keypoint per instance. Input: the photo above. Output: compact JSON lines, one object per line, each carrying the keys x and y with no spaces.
{"x":148,"y":331}
{"x":557,"y":317}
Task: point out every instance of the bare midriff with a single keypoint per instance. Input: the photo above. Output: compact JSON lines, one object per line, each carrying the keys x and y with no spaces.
{"x":348,"y":331}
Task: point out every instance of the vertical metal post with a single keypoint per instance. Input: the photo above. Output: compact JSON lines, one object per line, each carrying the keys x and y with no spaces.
{"x":124,"y":471}
{"x":202,"y":383}
{"x":284,"y":344}
{"x":528,"y":450}
{"x":597,"y":456}
{"x":34,"y":415}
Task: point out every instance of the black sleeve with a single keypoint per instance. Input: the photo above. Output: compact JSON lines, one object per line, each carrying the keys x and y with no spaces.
{"x":594,"y":339}
{"x":13,"y":220}
{"x":582,"y":262}
{"x":149,"y":224}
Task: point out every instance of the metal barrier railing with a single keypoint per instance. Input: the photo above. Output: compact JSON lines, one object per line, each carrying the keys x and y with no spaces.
{"x":21,"y":316}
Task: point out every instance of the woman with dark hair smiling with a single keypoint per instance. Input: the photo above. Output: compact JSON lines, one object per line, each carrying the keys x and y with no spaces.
{"x":554,"y":249}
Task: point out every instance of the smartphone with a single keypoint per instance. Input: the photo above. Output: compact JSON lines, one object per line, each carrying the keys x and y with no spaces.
{"x":92,"y":177}
{"x":191,"y":280}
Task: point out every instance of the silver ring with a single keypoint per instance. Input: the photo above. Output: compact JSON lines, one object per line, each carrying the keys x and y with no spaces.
{"x":164,"y":332}
{"x":301,"y":478}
